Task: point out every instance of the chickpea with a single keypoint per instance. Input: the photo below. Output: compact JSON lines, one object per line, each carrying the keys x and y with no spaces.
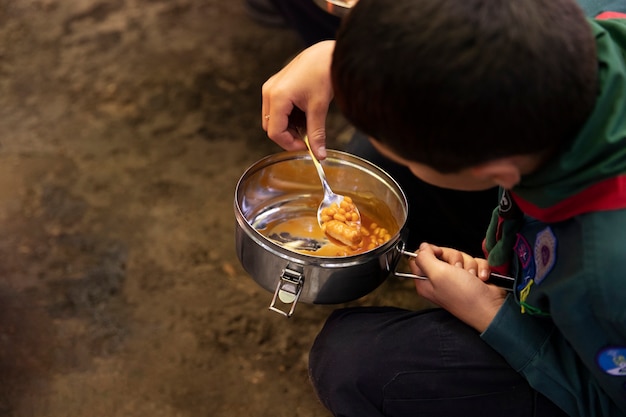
{"x":338,"y":222}
{"x":340,"y":217}
{"x":346,"y":234}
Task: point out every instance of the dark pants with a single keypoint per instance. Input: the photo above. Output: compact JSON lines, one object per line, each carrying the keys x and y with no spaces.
{"x":384,"y":361}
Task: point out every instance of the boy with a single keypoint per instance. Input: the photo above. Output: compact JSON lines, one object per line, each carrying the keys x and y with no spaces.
{"x":449,"y":210}
{"x":529,"y":96}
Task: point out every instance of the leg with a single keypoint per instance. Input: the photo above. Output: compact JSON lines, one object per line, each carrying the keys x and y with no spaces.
{"x":383,"y":361}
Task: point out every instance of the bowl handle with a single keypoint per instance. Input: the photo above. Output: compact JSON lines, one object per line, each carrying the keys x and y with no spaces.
{"x":498,"y":280}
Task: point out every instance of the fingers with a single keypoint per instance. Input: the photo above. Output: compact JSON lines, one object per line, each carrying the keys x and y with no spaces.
{"x":476,"y":266}
{"x":275,"y":111}
{"x":265,"y":103}
{"x":483,"y":269}
{"x":456,"y":289}
{"x":427,"y":262}
{"x":303,"y":83}
{"x":316,"y":128}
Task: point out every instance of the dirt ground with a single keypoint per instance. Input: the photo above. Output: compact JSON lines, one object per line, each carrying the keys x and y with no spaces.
{"x":124,"y":126}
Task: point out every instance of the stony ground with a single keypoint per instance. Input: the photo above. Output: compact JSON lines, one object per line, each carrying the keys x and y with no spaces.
{"x":124,"y":126}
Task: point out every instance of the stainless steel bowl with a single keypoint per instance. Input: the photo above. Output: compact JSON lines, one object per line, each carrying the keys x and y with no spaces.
{"x":284,"y":186}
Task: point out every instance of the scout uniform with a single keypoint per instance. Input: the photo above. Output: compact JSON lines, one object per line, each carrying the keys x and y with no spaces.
{"x":562,"y":232}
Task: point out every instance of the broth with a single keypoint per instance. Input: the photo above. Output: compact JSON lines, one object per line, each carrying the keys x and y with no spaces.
{"x":301,"y":233}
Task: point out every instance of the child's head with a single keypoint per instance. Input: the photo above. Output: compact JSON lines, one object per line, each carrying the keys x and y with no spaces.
{"x":455,"y":83}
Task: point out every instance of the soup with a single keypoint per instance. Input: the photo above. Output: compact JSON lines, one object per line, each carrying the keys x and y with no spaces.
{"x":301,"y":233}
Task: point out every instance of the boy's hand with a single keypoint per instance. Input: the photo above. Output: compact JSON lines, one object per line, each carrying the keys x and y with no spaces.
{"x":304,"y":83}
{"x":452,"y":284}
{"x":475,"y":266}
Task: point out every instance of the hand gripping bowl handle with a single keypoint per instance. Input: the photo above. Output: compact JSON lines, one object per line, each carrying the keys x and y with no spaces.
{"x":291,"y":282}
{"x":498,"y":280}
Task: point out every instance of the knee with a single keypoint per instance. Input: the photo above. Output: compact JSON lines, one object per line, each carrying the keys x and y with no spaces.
{"x":332,"y":356}
{"x":341,"y":361}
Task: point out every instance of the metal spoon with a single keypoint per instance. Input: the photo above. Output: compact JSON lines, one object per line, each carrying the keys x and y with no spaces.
{"x":329,"y":196}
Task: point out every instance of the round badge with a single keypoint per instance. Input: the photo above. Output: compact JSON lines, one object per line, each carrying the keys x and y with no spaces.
{"x":545,"y":253}
{"x":612,"y":360}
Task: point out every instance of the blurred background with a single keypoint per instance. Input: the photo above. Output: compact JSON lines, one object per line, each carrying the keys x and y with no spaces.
{"x":124,"y":127}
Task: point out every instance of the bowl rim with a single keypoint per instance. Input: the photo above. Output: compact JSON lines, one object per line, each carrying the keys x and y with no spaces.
{"x":303,"y":258}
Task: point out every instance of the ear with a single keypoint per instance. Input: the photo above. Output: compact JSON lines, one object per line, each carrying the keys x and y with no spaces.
{"x":504,"y":172}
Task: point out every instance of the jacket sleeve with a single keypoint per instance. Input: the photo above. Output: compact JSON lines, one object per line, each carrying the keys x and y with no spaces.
{"x":535,"y":348}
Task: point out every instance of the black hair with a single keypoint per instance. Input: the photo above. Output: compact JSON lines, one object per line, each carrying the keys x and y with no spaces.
{"x":454,"y":83}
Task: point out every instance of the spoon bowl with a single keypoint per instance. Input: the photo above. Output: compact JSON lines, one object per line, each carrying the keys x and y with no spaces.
{"x":330,"y":198}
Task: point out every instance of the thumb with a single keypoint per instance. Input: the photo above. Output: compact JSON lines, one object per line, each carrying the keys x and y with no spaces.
{"x":316,"y":129}
{"x":428,"y":262}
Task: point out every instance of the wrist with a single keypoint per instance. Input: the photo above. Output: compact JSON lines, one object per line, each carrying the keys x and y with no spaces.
{"x":484,"y":314}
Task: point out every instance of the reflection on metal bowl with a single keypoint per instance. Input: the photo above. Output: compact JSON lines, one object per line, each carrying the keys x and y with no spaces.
{"x":275,"y":203}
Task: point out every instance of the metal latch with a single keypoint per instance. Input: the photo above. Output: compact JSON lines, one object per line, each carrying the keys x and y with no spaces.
{"x":288,"y":290}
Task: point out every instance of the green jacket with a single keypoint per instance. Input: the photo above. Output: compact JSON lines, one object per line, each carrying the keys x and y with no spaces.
{"x":564,"y":327}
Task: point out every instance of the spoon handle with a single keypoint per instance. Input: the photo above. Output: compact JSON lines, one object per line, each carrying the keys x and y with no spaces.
{"x":316,"y":162}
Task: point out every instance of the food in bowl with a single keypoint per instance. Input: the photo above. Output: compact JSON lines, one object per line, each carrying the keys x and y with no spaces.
{"x":299,"y":231}
{"x":282,"y":198}
{"x":341,"y":222}
{"x":278,"y":196}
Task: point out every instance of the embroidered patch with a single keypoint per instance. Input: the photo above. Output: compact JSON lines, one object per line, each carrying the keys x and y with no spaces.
{"x":545,"y":253}
{"x":524,"y":254}
{"x":522,"y":248}
{"x":612,"y":360}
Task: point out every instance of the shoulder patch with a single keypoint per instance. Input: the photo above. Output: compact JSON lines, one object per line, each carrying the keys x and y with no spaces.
{"x":545,"y":253}
{"x":612,"y":360}
{"x":525,"y":256}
